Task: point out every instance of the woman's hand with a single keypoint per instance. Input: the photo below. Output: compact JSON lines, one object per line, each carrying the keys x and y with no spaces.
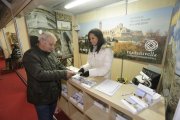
{"x":85,"y":74}
{"x":81,"y":70}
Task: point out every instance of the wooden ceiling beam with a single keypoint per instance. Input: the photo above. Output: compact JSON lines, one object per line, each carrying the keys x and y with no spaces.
{"x":7,"y":4}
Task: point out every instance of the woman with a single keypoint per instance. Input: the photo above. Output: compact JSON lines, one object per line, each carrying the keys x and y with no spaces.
{"x":100,"y":56}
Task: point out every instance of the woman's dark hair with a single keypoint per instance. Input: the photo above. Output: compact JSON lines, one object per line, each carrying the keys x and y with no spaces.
{"x":100,"y":37}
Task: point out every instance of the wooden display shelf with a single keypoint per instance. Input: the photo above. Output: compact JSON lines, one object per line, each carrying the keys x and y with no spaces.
{"x":86,"y":118}
{"x":77,"y":85}
{"x":77,"y":116}
{"x":64,"y":96}
{"x":114,"y":112}
{"x":64,"y":105}
{"x":96,"y":113}
{"x":76,"y":105}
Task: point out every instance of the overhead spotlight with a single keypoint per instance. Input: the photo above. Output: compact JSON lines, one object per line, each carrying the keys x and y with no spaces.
{"x":40,"y":31}
{"x":131,"y":1}
{"x":128,"y":1}
{"x":76,"y":3}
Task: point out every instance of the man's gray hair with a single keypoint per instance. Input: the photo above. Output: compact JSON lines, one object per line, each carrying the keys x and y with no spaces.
{"x":46,"y":36}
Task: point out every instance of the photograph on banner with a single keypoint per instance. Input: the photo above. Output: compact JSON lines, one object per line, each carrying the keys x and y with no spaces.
{"x":175,"y":34}
{"x":171,"y":69}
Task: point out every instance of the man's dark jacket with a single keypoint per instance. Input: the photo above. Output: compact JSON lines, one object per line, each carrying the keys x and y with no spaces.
{"x":44,"y":73}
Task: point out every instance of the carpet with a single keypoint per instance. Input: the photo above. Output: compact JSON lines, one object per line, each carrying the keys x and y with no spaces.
{"x":13,"y":104}
{"x":22,"y":75}
{"x":61,"y":116}
{"x":2,"y":63}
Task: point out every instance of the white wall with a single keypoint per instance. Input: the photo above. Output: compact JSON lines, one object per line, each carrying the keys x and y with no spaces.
{"x":3,"y":37}
{"x":4,"y":45}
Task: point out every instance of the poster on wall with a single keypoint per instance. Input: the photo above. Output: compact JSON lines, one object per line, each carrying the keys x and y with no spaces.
{"x":64,"y":21}
{"x":175,"y":34}
{"x":65,"y":47}
{"x":140,"y":36}
{"x":63,"y":25}
{"x":41,"y":18}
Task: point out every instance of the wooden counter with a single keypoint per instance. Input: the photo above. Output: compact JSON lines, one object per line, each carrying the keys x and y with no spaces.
{"x":112,"y":105}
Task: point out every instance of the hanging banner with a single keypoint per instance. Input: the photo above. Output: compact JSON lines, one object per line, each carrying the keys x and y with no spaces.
{"x":175,"y":34}
{"x":140,"y":36}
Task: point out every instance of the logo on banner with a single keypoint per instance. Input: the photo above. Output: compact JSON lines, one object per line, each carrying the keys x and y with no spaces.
{"x":151,"y":45}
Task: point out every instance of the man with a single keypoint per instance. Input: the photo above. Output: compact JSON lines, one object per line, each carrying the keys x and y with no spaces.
{"x":15,"y":56}
{"x":44,"y":73}
{"x":16,"y":53}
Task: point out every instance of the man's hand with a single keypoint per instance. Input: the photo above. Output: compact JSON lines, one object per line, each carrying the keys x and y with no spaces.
{"x":70,"y":74}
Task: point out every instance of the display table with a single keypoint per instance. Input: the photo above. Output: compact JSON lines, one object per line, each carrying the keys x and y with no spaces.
{"x":99,"y":106}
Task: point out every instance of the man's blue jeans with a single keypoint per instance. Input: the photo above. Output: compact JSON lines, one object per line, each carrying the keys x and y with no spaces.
{"x":45,"y":112}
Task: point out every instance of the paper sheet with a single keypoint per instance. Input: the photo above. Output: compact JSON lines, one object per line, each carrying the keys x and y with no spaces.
{"x":108,"y":87}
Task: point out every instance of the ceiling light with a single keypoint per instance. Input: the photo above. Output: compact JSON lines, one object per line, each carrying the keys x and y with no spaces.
{"x":128,"y":1}
{"x":75,"y":3}
{"x":40,"y":31}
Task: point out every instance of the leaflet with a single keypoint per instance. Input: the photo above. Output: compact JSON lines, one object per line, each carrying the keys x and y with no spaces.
{"x":108,"y":87}
{"x":142,"y":99}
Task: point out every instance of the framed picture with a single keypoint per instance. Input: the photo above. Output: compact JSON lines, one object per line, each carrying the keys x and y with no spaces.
{"x":63,"y":25}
